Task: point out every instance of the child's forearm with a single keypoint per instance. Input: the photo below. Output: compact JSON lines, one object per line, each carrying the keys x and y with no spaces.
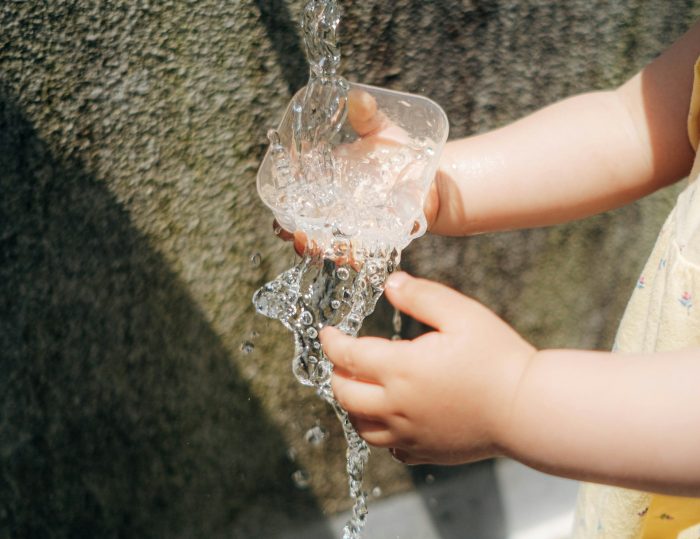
{"x":569,"y":160}
{"x":577,"y":157}
{"x":619,"y":419}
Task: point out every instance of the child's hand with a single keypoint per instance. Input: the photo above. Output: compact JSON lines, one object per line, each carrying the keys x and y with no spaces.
{"x":442,"y":398}
{"x":374,"y":130}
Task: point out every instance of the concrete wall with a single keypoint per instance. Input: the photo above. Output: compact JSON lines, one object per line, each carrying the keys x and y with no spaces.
{"x":132,"y":403}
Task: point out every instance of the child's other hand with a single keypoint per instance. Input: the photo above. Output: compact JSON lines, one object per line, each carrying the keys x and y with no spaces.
{"x":442,"y":398}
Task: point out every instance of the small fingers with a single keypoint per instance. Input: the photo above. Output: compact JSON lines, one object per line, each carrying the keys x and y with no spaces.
{"x":427,"y":301}
{"x":431,"y":207}
{"x":375,"y":433}
{"x":359,"y":398}
{"x":298,"y":238}
{"x":281,"y":233}
{"x":404,"y":457}
{"x":365,"y":358}
{"x":363,"y":115}
{"x":300,"y":242}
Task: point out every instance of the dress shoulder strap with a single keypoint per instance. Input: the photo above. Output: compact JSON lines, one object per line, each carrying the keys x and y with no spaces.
{"x":694,"y":113}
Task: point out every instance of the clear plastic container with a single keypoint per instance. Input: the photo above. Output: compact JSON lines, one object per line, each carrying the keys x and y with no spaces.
{"x":375,"y":194}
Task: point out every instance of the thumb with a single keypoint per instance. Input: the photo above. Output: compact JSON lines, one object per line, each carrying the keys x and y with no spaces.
{"x":431,"y":207}
{"x":426,"y":301}
{"x":363,"y":115}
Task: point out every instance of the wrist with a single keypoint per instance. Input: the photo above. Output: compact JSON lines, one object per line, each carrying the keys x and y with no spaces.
{"x":517,"y":371}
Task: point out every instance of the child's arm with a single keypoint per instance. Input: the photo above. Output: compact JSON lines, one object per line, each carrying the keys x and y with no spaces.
{"x":580,"y":156}
{"x":474,"y":389}
{"x":628,"y":420}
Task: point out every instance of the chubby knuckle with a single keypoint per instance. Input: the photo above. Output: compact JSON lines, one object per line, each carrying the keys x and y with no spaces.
{"x":348,"y":359}
{"x":337,"y":387}
{"x":378,"y":439}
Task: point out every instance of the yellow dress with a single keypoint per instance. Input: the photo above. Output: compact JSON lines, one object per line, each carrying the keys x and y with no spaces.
{"x":661,"y":315}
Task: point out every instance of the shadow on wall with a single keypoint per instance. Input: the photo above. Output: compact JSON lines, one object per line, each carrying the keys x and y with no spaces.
{"x":283,"y":32}
{"x":121,"y":414}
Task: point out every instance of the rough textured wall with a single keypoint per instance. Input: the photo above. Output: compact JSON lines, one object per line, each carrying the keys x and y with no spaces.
{"x":130,"y":132}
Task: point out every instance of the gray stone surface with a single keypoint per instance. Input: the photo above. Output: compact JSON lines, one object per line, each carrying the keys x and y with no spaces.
{"x":500,"y":499}
{"x":130,"y":133}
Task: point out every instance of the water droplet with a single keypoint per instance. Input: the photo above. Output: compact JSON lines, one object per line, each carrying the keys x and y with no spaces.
{"x":353,"y":323}
{"x":342,"y":273}
{"x":376,"y":492}
{"x":306,"y":318}
{"x":247,"y":347}
{"x":312,"y":332}
{"x":396,"y":337}
{"x":335,"y":304}
{"x":432,"y":503}
{"x":301,"y":479}
{"x":255,"y":260}
{"x":301,"y":371}
{"x":429,"y":479}
{"x":316,"y":435}
{"x":292,"y":454}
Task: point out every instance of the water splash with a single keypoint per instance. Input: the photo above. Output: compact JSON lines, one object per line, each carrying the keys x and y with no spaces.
{"x":322,"y":111}
{"x":316,"y":435}
{"x":301,"y":479}
{"x":340,"y":279}
{"x":315,"y":293}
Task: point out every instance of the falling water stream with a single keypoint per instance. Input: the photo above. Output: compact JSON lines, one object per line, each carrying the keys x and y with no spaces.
{"x":342,"y":275}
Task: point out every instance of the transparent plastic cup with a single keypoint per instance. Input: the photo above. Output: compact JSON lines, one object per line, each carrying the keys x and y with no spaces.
{"x":375,"y":195}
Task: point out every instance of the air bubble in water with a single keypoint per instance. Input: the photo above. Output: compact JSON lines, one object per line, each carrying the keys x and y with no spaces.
{"x":247,"y":347}
{"x":297,"y":297}
{"x":342,"y":273}
{"x":330,"y":180}
{"x":316,"y":435}
{"x":429,"y":479}
{"x":306,"y":318}
{"x":354,"y":323}
{"x":301,"y":372}
{"x":301,"y":479}
{"x":255,"y":260}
